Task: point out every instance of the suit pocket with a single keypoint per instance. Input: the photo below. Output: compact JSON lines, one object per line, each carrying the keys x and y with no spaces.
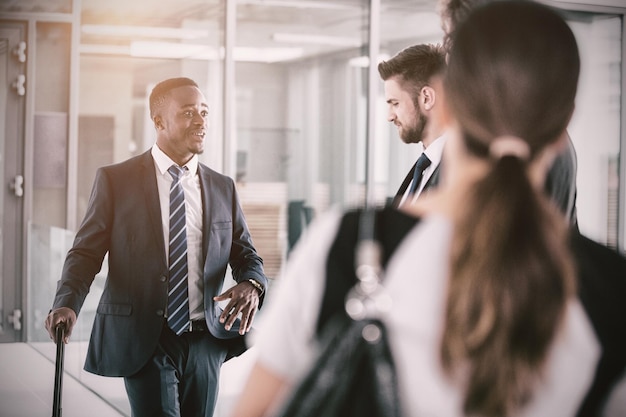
{"x":115,"y":309}
{"x":222,"y":225}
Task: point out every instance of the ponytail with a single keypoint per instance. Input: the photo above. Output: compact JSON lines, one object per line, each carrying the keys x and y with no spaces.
{"x":511,"y":276}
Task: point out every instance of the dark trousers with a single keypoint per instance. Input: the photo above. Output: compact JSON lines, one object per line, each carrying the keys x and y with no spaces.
{"x":181,"y":379}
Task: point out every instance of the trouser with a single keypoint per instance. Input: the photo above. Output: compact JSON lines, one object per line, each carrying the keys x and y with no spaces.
{"x":181,"y":379}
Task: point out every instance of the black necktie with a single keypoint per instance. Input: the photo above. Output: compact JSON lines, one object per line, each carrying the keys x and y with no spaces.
{"x":422,"y":163}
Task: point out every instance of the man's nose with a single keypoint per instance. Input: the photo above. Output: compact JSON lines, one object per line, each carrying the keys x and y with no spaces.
{"x":199,"y":119}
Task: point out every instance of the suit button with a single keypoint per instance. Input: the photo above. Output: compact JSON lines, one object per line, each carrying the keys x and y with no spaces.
{"x":159,"y":312}
{"x":163,"y":278}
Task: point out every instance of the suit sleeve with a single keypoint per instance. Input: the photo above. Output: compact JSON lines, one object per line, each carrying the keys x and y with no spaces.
{"x":560,"y":182}
{"x":84,"y":259}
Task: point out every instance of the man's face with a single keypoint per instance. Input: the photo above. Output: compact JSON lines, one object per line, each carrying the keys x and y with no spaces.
{"x":408,"y":118}
{"x":182,"y":122}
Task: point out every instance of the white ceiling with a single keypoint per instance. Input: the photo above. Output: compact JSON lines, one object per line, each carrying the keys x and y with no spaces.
{"x":327,"y":25}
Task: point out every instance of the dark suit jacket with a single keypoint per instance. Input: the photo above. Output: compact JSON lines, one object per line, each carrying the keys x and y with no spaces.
{"x":124,"y":219}
{"x":433,"y":181}
{"x":560,"y":182}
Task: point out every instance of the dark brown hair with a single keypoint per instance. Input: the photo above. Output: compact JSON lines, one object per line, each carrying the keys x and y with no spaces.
{"x":414,"y":66}
{"x":454,"y":12}
{"x":513,"y":70}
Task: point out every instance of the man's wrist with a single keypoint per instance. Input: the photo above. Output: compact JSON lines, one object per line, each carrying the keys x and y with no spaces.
{"x":256,"y":285}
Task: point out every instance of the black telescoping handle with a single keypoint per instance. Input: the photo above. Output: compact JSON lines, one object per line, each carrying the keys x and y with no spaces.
{"x":58,"y":371}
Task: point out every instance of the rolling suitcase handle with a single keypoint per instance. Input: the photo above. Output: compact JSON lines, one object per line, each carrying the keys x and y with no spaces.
{"x":58,"y":371}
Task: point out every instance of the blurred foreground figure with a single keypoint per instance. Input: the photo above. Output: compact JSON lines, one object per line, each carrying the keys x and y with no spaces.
{"x":500,"y":308}
{"x":560,"y":182}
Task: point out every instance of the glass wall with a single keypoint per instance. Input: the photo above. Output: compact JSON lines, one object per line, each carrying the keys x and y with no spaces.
{"x":300,"y":116}
{"x":297,"y":140}
{"x":596,"y":125}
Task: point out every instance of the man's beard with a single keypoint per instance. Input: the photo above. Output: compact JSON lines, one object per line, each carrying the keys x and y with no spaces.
{"x":416,"y":133}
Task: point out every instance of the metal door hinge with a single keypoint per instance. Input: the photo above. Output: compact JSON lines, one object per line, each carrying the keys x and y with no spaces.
{"x":19,"y":86}
{"x":20,"y":51}
{"x":16,"y":319}
{"x":17,"y":185}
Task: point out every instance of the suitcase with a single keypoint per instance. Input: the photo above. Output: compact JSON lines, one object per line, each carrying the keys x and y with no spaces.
{"x":58,"y":371}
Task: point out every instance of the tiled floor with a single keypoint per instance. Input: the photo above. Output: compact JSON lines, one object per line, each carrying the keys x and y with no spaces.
{"x":27,"y":386}
{"x":27,"y":383}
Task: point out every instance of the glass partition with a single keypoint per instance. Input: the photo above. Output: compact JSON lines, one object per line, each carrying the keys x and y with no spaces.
{"x":300,"y":108}
{"x":47,"y":249}
{"x":596,"y":125}
{"x":300,"y":114}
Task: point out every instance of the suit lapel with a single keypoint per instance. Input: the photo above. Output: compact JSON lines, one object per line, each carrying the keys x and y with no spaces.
{"x":405,"y":183}
{"x":151,"y":196}
{"x":433,"y":180}
{"x":205,"y":180}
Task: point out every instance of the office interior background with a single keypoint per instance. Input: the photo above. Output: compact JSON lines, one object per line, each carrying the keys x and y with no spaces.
{"x":298,"y":117}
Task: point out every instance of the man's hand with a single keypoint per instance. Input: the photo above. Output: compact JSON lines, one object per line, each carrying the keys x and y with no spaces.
{"x":60,"y":315}
{"x":244,"y":299}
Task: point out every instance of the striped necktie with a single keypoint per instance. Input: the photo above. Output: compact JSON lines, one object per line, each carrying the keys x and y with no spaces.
{"x":178,"y":296}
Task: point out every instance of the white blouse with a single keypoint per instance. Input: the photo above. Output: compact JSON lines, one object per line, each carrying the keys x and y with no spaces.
{"x":287,"y":330}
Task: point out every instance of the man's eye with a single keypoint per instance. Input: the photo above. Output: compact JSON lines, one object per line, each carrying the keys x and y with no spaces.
{"x":204,"y":113}
{"x":188,"y":114}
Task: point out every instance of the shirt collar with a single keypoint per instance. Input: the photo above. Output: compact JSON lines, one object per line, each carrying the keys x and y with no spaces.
{"x":163,"y":162}
{"x":435,"y":150}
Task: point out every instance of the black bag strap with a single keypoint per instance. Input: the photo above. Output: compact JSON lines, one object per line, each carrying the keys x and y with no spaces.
{"x":354,"y":373}
{"x":390,"y":228}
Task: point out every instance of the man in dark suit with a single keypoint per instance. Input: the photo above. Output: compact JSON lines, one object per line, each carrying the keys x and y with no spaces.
{"x":415,"y":96}
{"x":413,"y":91}
{"x":158,"y":324}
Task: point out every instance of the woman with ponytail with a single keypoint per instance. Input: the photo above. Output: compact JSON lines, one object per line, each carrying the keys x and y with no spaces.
{"x":498,"y":308}
{"x":511,"y":83}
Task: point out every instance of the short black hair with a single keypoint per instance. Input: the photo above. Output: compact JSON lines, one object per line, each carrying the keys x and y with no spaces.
{"x":160,"y":91}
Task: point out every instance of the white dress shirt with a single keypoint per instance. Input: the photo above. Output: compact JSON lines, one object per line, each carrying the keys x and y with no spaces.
{"x":193,"y":216}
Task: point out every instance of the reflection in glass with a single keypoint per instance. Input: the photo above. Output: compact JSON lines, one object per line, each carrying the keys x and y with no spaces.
{"x":300,"y":120}
{"x":596,"y":124}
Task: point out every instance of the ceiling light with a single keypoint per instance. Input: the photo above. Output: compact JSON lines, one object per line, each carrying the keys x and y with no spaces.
{"x":170,"y":50}
{"x":364,"y":61}
{"x":316,"y":39}
{"x":145,"y":32}
{"x":267,"y":55}
{"x":90,"y":49}
{"x":301,"y":4}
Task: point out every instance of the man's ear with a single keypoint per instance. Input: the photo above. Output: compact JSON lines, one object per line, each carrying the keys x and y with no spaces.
{"x":158,"y":123}
{"x":429,"y":97}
